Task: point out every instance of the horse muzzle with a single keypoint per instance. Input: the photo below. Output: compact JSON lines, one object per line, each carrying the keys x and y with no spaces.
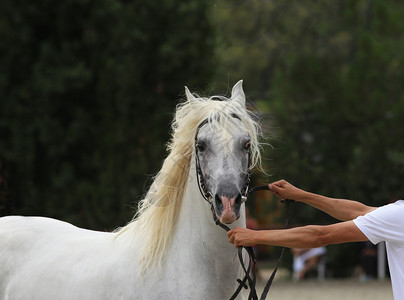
{"x":227,"y":208}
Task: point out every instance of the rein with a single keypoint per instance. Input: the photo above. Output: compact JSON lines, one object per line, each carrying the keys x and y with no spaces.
{"x":251,"y":267}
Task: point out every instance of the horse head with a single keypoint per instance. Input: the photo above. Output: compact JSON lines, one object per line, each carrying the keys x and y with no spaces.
{"x":222,"y":150}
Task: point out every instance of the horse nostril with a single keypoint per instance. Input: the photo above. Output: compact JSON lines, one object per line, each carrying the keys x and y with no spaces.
{"x":238,"y":200}
{"x":218,"y":201}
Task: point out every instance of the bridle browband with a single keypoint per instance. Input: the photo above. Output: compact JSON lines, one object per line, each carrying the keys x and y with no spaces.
{"x":207,"y":195}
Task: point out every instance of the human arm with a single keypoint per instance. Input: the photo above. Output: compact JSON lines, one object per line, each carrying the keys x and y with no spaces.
{"x":311,"y":236}
{"x":340,"y":209}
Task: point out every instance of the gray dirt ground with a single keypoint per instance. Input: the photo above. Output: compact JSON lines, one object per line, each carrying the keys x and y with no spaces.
{"x":330,"y":289}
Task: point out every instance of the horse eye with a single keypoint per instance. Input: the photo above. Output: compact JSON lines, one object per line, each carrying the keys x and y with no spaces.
{"x":247,"y":145}
{"x":201,"y":146}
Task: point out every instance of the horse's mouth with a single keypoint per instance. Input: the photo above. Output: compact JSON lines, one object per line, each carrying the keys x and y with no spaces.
{"x":227,"y":210}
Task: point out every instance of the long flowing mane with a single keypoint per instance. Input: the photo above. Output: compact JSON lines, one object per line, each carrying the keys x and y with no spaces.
{"x":157,"y":213}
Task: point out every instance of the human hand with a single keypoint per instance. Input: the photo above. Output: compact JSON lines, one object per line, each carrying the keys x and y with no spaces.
{"x":285,"y":190}
{"x":242,"y":237}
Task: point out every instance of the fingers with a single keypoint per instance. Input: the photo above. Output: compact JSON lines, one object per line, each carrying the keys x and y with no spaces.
{"x":277,"y":187}
{"x":277,"y":184}
{"x":232,"y":237}
{"x":239,"y":237}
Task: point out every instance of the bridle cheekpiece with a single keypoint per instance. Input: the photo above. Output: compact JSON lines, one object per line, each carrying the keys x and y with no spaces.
{"x":206,"y":194}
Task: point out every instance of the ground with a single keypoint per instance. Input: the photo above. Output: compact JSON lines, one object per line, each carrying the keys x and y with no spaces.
{"x":330,"y":289}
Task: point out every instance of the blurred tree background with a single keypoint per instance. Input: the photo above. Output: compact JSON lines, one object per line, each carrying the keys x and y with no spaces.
{"x":328,"y":78}
{"x":88,"y":88}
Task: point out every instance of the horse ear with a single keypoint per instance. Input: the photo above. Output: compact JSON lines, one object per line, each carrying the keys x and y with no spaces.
{"x":237,"y":93}
{"x":189,"y":95}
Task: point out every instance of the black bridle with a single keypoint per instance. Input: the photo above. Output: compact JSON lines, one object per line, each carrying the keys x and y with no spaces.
{"x":206,"y":194}
{"x":250,"y":269}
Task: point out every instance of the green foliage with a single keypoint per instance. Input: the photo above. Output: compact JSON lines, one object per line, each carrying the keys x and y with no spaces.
{"x":330,"y":76}
{"x":87,"y":89}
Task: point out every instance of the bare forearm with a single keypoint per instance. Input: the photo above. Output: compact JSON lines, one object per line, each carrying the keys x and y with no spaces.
{"x":300,"y":237}
{"x":340,"y":209}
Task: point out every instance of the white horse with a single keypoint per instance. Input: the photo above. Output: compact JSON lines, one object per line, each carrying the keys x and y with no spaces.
{"x":172,"y":249}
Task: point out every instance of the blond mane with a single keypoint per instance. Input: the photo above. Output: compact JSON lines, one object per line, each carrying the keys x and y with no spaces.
{"x":157,"y":213}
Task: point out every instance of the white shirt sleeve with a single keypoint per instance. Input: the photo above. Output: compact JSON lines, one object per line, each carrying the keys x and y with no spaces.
{"x":383,"y":224}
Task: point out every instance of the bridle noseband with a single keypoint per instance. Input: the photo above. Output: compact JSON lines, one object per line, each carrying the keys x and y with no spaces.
{"x":250,"y":269}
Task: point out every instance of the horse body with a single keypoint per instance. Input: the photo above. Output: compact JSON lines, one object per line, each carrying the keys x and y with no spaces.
{"x":44,"y":258}
{"x":172,"y":250}
{"x":50,"y":259}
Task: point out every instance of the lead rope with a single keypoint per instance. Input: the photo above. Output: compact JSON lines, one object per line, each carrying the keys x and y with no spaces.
{"x":253,"y":294}
{"x":252,"y":259}
{"x":271,"y":279}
